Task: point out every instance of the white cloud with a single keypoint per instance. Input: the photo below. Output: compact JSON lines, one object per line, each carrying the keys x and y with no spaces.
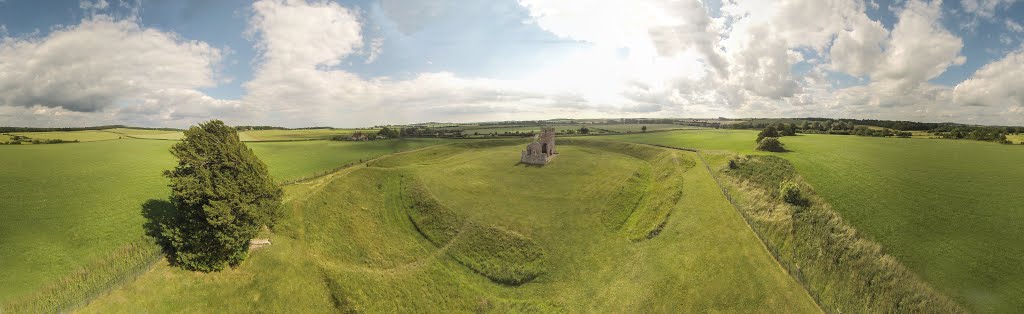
{"x":984,"y":8}
{"x":1014,"y":26}
{"x":376,"y":48}
{"x":997,"y":84}
{"x":101,"y":63}
{"x":89,"y":5}
{"x":295,"y":80}
{"x":919,"y":48}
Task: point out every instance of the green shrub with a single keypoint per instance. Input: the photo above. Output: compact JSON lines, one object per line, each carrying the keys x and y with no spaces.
{"x":790,"y":193}
{"x":771,"y":144}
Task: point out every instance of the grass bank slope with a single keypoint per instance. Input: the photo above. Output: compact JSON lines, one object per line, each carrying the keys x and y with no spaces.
{"x":349,"y":244}
{"x":949,"y":210}
{"x":841,"y":269}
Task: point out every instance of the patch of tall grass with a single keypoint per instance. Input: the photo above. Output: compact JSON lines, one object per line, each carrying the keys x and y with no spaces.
{"x":86,"y":283}
{"x":841,"y":269}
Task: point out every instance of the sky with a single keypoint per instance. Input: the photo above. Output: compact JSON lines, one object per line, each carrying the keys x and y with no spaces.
{"x":355,"y":63}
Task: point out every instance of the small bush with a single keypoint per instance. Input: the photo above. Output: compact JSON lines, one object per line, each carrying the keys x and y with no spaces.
{"x":771,"y":144}
{"x":790,"y":193}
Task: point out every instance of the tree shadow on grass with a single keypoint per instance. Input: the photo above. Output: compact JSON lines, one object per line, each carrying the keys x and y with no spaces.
{"x":159,"y":214}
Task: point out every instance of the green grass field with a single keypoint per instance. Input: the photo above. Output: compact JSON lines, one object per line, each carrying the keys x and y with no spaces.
{"x":294,"y":160}
{"x":147,"y":134}
{"x":948,"y":209}
{"x":81,"y":136}
{"x":62,"y":212}
{"x":328,"y":252}
{"x":296,"y":135}
{"x":595,"y":128}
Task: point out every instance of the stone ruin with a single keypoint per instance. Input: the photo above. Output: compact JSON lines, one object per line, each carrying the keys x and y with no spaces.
{"x":542,"y":150}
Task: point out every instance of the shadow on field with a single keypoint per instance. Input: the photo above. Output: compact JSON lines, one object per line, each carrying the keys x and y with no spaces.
{"x":159,"y":213}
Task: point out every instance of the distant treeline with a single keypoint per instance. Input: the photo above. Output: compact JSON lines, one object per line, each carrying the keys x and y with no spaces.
{"x":269,"y":127}
{"x":19,"y":139}
{"x":7,"y":129}
{"x":887,"y":128}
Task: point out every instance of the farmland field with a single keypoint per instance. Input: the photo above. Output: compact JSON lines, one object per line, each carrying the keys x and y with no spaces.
{"x":147,"y":134}
{"x":1016,"y":138}
{"x":295,"y":135}
{"x":81,"y":136}
{"x":64,"y":213}
{"x":328,"y":252}
{"x":948,"y":209}
{"x":594,"y":128}
{"x":294,"y":160}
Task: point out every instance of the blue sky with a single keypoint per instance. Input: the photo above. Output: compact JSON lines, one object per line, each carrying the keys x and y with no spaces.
{"x":399,"y":61}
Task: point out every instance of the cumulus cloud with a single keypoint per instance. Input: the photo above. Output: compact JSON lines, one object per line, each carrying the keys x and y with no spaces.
{"x":641,"y":58}
{"x":997,"y":84}
{"x":296,"y":79}
{"x":100,"y":63}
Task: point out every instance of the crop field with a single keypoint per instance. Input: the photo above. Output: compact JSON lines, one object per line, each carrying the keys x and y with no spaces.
{"x":296,"y":135}
{"x":948,"y":209}
{"x":1016,"y":138}
{"x":103,"y":191}
{"x":147,"y":134}
{"x":553,"y":243}
{"x":81,"y":136}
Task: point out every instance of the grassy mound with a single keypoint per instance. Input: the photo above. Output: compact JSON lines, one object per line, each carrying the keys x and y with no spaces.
{"x":501,"y":255}
{"x":844,"y":271}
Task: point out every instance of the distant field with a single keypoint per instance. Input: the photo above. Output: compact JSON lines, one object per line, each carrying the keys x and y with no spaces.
{"x":594,"y":128}
{"x":294,"y":160}
{"x":637,"y":128}
{"x":521,"y":129}
{"x":949,"y":209}
{"x":1016,"y":138}
{"x":64,"y":213}
{"x":349,"y":244}
{"x":81,"y":136}
{"x":295,"y":135}
{"x":148,"y":134}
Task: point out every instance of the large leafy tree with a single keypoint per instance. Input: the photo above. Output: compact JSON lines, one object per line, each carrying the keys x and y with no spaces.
{"x":223,"y":195}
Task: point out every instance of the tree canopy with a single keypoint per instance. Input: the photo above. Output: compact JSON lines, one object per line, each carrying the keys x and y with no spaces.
{"x":223,"y":195}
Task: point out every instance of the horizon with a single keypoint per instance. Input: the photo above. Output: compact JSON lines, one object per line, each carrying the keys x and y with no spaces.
{"x":359,"y":63}
{"x":572,"y":120}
